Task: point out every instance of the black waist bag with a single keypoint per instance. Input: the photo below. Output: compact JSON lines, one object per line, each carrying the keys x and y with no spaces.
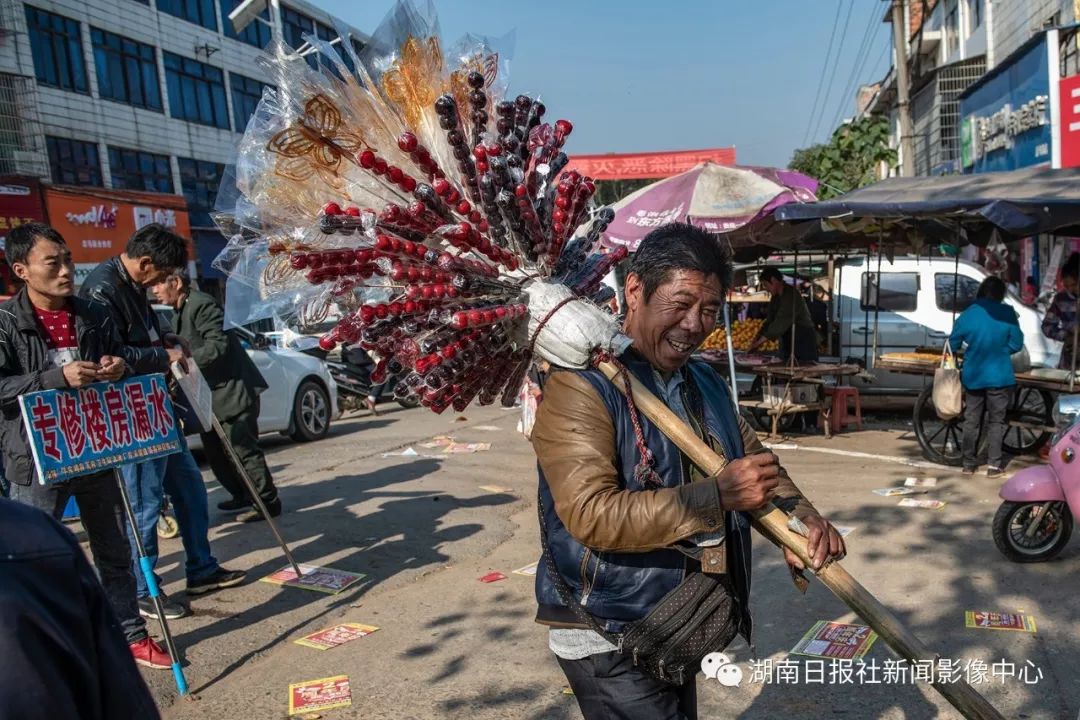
{"x":696,"y":618}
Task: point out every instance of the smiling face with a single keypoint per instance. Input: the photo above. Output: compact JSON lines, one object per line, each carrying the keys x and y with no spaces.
{"x":678,"y":316}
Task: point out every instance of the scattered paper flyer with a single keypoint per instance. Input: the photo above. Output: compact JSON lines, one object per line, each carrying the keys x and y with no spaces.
{"x":836,"y":640}
{"x":844,"y":530}
{"x":495,"y":488}
{"x":337,"y":635}
{"x":322,"y":579}
{"x":493,"y":577}
{"x":409,"y":452}
{"x":438,"y":442}
{"x":893,"y":491}
{"x":456,"y":448}
{"x":321,"y":694}
{"x":999,"y":621}
{"x":529,"y":570}
{"x":915,"y":482}
{"x":487,"y":428}
{"x":921,"y":503}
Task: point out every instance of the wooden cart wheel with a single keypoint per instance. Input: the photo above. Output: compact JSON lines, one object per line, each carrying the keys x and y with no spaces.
{"x":942,"y":440}
{"x":1031,"y":406}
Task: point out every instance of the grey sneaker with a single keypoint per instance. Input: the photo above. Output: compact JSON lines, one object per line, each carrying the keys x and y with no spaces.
{"x":172,"y":609}
{"x":968,"y":471}
{"x":994,"y":472}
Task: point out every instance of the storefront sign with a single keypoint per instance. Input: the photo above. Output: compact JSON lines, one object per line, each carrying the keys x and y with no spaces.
{"x":97,"y":222}
{"x":1006,"y":117}
{"x":1070,"y":121}
{"x":20,"y":203}
{"x":636,"y":166}
{"x":76,"y":431}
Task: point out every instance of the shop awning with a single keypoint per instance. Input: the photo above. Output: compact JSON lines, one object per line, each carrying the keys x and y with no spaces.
{"x":1020,"y":203}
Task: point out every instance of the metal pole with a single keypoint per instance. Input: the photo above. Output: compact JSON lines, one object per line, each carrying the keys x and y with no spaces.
{"x":255,"y":495}
{"x":877,"y":308}
{"x":903,"y":100}
{"x":731,"y":354}
{"x":151,"y":585}
{"x":1076,"y":342}
{"x":829,"y":314}
{"x":794,"y":303}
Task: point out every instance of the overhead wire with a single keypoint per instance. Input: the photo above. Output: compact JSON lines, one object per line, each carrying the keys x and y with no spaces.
{"x":821,"y":78}
{"x":836,"y":64}
{"x":869,"y":38}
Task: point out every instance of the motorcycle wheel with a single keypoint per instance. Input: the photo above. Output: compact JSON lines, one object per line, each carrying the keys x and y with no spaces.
{"x":409,"y":402}
{"x":1011,"y":522}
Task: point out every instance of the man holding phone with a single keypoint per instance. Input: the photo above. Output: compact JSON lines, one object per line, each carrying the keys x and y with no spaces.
{"x":50,"y":339}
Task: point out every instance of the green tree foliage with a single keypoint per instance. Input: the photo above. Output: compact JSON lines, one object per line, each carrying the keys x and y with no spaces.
{"x":850,"y":158}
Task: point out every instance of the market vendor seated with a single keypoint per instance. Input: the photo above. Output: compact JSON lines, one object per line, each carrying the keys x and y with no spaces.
{"x":787,"y":308}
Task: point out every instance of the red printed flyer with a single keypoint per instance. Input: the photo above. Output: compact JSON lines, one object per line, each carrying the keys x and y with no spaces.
{"x":836,"y":640}
{"x":337,"y":635}
{"x":999,"y":621}
{"x":321,"y":694}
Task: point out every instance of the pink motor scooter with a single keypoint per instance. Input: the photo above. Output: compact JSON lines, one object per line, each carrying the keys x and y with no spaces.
{"x":1036,"y":519}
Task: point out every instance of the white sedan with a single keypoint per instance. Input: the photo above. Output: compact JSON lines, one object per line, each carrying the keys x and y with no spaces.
{"x":302,"y":397}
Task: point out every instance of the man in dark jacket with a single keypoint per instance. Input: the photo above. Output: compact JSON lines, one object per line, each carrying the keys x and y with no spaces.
{"x":617,"y":506}
{"x":120,"y":283}
{"x":236,"y":384}
{"x":50,"y":339}
{"x":62,"y":646}
{"x":787,"y":310}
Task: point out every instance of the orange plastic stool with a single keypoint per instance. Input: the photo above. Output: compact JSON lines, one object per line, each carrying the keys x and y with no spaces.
{"x":838,"y":417}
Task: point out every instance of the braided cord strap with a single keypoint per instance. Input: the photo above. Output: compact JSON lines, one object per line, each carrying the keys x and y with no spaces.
{"x":644,"y":471}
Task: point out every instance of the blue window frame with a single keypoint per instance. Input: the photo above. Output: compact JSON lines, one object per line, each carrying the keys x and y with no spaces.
{"x":294,"y":26}
{"x":196,"y":91}
{"x":200,"y":12}
{"x":126,"y":70}
{"x":199,"y":180}
{"x":246,"y":94}
{"x":256,"y":33}
{"x":73,"y":162}
{"x":137,"y":170}
{"x":56,"y":45}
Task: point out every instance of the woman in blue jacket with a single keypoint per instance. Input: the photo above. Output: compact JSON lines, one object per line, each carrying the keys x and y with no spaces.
{"x":991,"y":331}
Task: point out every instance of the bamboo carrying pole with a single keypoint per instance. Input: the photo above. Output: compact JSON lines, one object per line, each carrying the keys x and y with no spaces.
{"x":773,"y":523}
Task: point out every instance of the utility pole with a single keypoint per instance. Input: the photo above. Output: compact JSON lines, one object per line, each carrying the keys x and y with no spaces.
{"x":903,"y":101}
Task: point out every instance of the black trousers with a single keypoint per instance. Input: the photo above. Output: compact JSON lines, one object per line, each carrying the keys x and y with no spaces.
{"x":806,"y":345}
{"x":607,"y":686}
{"x":101,"y":511}
{"x":243,"y":434}
{"x":995,"y":401}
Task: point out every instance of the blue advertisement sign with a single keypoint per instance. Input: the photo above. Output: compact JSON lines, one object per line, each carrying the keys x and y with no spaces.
{"x":1005,"y":118}
{"x":76,"y":431}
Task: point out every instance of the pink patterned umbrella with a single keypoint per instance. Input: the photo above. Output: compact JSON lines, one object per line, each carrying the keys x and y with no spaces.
{"x":717,"y":198}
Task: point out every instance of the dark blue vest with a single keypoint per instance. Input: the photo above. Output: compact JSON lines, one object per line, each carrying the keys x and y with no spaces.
{"x":617,"y":588}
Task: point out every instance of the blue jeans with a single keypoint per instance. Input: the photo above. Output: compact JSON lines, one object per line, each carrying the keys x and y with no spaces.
{"x":179,"y":476}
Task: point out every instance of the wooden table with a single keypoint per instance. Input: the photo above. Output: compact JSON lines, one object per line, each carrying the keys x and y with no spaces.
{"x":792,"y":375}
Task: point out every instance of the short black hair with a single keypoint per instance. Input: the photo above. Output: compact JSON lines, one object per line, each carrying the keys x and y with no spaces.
{"x":1071,"y":269}
{"x":165,"y":248}
{"x":183,"y":277}
{"x":770,"y":273}
{"x":992,"y":287}
{"x":21,"y":240}
{"x":679,"y":246}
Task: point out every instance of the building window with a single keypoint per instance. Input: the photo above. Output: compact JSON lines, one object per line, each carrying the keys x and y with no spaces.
{"x":136,"y":170}
{"x":975,"y":14}
{"x":256,"y":33}
{"x":200,"y":12}
{"x":246,"y":94}
{"x":328,"y":34}
{"x":56,"y":45}
{"x":126,"y":70}
{"x":199,"y":180}
{"x":73,"y":162}
{"x":952,"y":29}
{"x":196,"y":91}
{"x":294,"y":26}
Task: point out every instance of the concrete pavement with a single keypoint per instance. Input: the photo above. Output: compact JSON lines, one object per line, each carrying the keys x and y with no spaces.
{"x":451,"y":646}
